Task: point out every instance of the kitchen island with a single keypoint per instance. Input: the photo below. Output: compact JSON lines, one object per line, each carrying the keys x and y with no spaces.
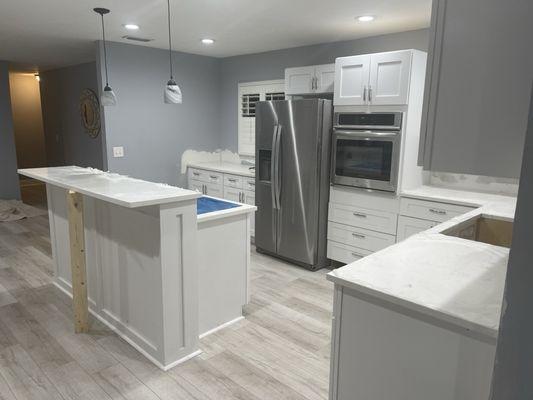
{"x":419,"y":320}
{"x":139,"y":243}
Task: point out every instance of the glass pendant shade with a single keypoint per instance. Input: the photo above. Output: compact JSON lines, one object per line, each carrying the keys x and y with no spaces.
{"x":108,"y":97}
{"x":172,"y":93}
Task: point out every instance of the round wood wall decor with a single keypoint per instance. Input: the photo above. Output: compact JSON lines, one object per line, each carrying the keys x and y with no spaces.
{"x":90,"y":112}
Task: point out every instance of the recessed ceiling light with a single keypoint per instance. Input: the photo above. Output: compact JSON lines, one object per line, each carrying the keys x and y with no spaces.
{"x":366,"y":18}
{"x":208,"y":41}
{"x":131,"y":27}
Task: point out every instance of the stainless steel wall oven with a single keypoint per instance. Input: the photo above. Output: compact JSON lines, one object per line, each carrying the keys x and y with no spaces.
{"x":366,"y":149}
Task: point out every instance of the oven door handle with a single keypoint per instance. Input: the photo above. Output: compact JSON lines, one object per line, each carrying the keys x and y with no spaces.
{"x":366,"y":133}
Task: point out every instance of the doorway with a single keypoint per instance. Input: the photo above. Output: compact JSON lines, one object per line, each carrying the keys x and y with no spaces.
{"x":29,"y":135}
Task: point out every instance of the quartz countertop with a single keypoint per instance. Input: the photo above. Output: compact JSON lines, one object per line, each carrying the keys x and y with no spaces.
{"x":225,"y":167}
{"x":113,"y":188}
{"x":454,"y":280}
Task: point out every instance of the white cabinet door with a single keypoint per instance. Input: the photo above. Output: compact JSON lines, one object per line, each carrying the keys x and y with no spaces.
{"x":215,"y":190}
{"x":196,"y":185}
{"x":389,"y":78}
{"x":249,"y":198}
{"x":233,"y":194}
{"x":408,"y":226}
{"x":351,"y":80}
{"x":325,"y":78}
{"x":299,"y":80}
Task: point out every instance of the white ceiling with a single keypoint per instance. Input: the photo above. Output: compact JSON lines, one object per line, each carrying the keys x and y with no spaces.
{"x":55,"y":33}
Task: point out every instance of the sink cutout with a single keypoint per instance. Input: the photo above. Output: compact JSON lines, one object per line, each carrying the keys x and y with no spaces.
{"x":484,"y":229}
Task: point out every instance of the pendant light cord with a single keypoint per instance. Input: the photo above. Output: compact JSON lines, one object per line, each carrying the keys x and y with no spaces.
{"x":169,"y":42}
{"x":105,"y":51}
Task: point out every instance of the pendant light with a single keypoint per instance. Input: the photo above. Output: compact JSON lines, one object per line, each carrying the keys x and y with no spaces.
{"x":108,"y":97}
{"x":172,"y":90}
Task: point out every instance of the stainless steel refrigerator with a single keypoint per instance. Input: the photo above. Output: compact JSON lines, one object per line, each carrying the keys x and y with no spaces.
{"x":293,"y":140}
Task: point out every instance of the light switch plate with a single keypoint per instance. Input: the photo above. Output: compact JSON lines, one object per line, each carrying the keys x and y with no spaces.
{"x":118,"y":151}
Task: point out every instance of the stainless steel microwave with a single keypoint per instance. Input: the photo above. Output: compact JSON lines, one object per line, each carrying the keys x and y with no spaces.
{"x":366,"y":150}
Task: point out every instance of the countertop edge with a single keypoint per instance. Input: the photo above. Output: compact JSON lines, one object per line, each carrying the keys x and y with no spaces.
{"x":112,"y":200}
{"x":486,"y":331}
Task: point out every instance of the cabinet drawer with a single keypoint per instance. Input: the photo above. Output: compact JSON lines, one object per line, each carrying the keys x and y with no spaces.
{"x":205,"y":176}
{"x":233,"y":181}
{"x":344,"y":253}
{"x":380,"y":221}
{"x":409,"y":226}
{"x":430,"y":210}
{"x":362,"y":238}
{"x":249,"y":184}
{"x":197,"y":174}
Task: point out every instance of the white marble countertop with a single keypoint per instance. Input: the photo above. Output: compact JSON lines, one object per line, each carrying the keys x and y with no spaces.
{"x":113,"y":188}
{"x":225,"y":167}
{"x":452,"y":279}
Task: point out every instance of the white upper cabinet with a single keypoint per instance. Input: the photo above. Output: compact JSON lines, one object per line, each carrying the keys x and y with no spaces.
{"x":389,"y":78}
{"x":373,"y":79}
{"x":310,"y":80}
{"x":325,"y":78}
{"x":351,"y":80}
{"x":299,"y":80}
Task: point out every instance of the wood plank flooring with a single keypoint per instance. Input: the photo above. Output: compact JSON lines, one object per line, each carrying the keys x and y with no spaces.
{"x":280,"y":351}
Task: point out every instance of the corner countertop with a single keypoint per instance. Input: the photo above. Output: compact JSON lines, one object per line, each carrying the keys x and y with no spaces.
{"x":113,"y":188}
{"x":225,"y":167}
{"x":454,"y":280}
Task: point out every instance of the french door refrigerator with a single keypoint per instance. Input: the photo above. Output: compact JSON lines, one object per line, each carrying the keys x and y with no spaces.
{"x":293,"y":139}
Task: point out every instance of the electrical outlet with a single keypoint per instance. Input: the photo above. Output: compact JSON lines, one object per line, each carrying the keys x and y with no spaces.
{"x":118,"y":151}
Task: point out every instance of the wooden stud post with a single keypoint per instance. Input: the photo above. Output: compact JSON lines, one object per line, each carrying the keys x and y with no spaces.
{"x":77,"y":261}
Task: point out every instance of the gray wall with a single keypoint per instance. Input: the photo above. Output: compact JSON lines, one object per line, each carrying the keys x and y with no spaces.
{"x":9,"y":184}
{"x":514,"y":354}
{"x":271,"y":65}
{"x":67,"y":143}
{"x":155,"y":134}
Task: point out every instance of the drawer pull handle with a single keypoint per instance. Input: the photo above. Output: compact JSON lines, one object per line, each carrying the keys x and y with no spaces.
{"x":213,"y":176}
{"x":355,"y":214}
{"x":231,"y":180}
{"x":438,"y":212}
{"x":357,"y":254}
{"x":358,"y":236}
{"x":196,"y":173}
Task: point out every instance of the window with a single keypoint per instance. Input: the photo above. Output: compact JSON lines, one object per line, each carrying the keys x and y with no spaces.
{"x":249,"y":94}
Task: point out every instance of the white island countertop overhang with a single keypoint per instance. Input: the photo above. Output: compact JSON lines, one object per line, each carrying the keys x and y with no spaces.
{"x":453,"y":280}
{"x":113,"y":188}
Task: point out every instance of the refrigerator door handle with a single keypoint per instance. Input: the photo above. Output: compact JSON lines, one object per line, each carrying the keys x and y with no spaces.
{"x":278,"y":169}
{"x":273,"y":163}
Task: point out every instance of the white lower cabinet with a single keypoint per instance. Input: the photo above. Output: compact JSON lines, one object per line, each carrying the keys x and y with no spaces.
{"x":344,"y":253}
{"x":431,"y":210}
{"x":409,"y":226}
{"x":196,"y":185}
{"x":233,"y":194}
{"x":214,"y":189}
{"x":237,"y":188}
{"x":382,"y":351}
{"x":359,"y":237}
{"x":377,"y":220}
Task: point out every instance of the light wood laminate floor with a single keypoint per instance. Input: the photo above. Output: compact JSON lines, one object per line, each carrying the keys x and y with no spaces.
{"x":280,"y":351}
